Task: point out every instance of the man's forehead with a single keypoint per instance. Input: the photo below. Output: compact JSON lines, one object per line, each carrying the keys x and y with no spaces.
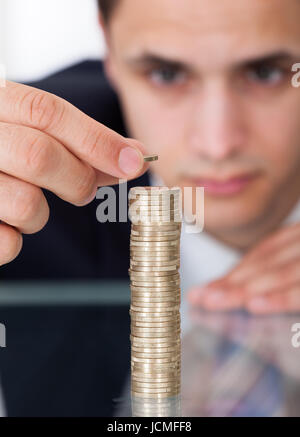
{"x":182,"y":28}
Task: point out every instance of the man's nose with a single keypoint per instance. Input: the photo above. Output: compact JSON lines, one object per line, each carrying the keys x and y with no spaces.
{"x":218,"y":130}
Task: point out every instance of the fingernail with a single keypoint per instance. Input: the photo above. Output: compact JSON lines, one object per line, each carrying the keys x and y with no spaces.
{"x":258,"y":303}
{"x":215,"y":296}
{"x":130,"y":160}
{"x":195,"y":293}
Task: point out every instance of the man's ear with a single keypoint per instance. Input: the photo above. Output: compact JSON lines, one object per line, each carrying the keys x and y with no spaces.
{"x":107,"y":63}
{"x":109,"y":71}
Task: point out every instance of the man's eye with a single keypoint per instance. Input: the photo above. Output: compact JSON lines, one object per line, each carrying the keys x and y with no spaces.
{"x":265,"y":75}
{"x":166,"y":76}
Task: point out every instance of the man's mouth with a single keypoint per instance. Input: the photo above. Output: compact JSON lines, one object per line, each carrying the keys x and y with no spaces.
{"x":221,"y":187}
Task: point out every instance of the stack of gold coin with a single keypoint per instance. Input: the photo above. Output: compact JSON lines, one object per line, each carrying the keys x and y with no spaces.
{"x":165,"y":407}
{"x":155,"y":213}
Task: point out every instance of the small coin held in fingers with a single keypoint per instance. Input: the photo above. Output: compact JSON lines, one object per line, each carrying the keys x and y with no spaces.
{"x":151,"y":158}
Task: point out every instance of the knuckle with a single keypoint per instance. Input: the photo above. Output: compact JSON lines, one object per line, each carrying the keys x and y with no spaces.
{"x":39,"y":156}
{"x":27,"y":203}
{"x":11,"y":245}
{"x":43,"y":109}
{"x":99,"y":140}
{"x":85,"y":187}
{"x":91,"y":142}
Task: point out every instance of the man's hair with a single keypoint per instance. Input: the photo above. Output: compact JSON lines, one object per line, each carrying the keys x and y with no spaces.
{"x":107,"y":7}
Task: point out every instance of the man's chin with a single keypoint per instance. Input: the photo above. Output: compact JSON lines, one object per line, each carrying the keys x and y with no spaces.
{"x":234,"y":215}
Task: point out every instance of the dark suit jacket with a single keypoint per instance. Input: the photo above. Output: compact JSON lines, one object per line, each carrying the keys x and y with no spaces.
{"x":44,"y":371}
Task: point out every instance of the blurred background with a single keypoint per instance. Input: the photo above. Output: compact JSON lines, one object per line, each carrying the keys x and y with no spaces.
{"x":38,"y":37}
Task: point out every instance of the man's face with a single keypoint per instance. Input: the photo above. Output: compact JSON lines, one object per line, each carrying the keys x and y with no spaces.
{"x":207,"y":86}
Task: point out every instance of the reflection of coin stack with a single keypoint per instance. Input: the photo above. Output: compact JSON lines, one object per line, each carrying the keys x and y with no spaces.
{"x":155,"y":213}
{"x":166,"y":407}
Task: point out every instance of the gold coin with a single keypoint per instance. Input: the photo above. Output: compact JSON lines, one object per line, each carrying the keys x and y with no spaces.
{"x":135,"y":350}
{"x":155,"y":200}
{"x":137,"y":330}
{"x":157,"y":254}
{"x":153,"y":269}
{"x":156,"y":390}
{"x":154,"y":276}
{"x":140,"y":215}
{"x":157,"y":228}
{"x":154,"y":385}
{"x":155,"y":189}
{"x":156,"y":251}
{"x":172,"y":355}
{"x":169,"y":386}
{"x":168,"y":266}
{"x":147,"y":368}
{"x":142,"y":219}
{"x":154,"y":217}
{"x":157,"y":335}
{"x":156,"y":396}
{"x":139,"y":301}
{"x":154,"y":299}
{"x":166,"y":295}
{"x":139,"y":375}
{"x":165,"y":311}
{"x":167,"y":249}
{"x":170,"y":341}
{"x":157,"y":332}
{"x":151,"y":158}
{"x":168,"y":359}
{"x":174,"y":234}
{"x":154,"y":319}
{"x":157,"y":346}
{"x":158,"y":312}
{"x":154,"y":263}
{"x":155,"y":281}
{"x":176,"y":349}
{"x":162,"y":207}
{"x":171,"y":275}
{"x":152,"y":206}
{"x":175,"y":324}
{"x":172,"y":374}
{"x":153,"y":239}
{"x":163,"y":281}
{"x":134,"y":210}
{"x":160,"y":260}
{"x":165,"y":288}
{"x":151,"y":273}
{"x":153,"y":244}
{"x":154,"y":380}
{"x":177,"y":320}
{"x":151,"y":303}
{"x":151,"y":333}
{"x":152,"y":370}
{"x":149,"y":212}
{"x":158,"y":201}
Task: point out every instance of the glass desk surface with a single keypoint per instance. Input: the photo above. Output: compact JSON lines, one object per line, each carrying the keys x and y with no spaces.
{"x":233,"y":364}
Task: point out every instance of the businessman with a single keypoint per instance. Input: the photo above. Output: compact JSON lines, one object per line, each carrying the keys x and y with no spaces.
{"x":208,"y":86}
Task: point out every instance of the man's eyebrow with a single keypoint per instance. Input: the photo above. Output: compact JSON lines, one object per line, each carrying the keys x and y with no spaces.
{"x":145,"y":60}
{"x":272,"y":58}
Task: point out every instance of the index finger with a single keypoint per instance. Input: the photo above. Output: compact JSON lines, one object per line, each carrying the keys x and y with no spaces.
{"x":92,"y":142}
